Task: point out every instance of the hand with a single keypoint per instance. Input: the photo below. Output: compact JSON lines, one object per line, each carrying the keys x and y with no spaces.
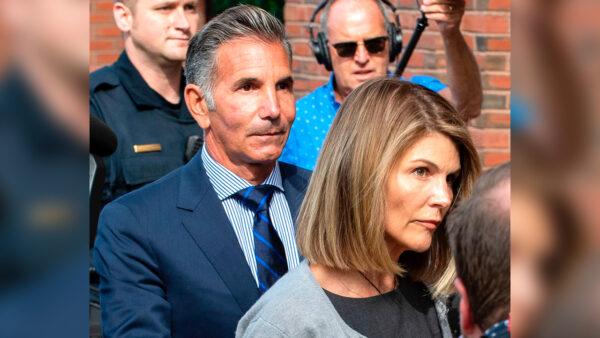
{"x":446,"y":13}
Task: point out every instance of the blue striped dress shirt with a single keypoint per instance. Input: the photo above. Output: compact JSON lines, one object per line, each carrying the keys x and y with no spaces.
{"x":226,"y":184}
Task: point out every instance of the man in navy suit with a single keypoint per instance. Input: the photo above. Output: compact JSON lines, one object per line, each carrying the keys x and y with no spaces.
{"x":188,"y":255}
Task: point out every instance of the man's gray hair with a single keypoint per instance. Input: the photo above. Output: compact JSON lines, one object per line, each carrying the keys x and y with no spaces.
{"x":236,"y":22}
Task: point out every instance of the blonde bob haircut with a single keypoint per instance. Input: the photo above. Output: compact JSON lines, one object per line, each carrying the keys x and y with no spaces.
{"x":341,"y":221}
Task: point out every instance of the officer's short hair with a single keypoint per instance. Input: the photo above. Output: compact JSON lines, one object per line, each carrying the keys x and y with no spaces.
{"x":479,"y":232}
{"x":236,"y":22}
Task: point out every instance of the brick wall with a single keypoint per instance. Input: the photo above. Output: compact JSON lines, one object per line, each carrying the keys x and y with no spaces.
{"x":105,"y":38}
{"x":486,"y":27}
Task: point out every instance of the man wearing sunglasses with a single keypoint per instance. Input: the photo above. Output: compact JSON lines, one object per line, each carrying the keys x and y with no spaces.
{"x":358,"y":43}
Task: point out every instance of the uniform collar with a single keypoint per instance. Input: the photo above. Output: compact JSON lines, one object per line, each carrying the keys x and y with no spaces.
{"x":141,"y":94}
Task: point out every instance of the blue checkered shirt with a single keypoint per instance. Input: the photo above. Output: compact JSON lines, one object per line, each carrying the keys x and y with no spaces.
{"x":314,"y":116}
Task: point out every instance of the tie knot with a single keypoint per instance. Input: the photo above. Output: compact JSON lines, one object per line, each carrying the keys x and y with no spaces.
{"x":256,"y":198}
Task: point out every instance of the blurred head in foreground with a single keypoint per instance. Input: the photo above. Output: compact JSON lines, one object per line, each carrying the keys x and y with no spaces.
{"x":545,"y":240}
{"x":479,"y":231}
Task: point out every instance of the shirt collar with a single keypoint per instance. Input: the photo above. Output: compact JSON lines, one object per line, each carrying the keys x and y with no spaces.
{"x":499,"y":330}
{"x":226,"y":183}
{"x":329,"y":88}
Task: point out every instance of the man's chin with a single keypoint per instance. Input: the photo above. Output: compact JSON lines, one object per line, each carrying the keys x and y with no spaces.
{"x":266,"y":156}
{"x":176,"y":57}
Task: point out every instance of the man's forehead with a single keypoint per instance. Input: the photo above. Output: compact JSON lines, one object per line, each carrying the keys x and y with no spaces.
{"x":252,"y":56}
{"x":355,"y":17}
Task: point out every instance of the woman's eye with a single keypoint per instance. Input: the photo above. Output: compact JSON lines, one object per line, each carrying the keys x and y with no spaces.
{"x":246,"y":87}
{"x":422,"y":172}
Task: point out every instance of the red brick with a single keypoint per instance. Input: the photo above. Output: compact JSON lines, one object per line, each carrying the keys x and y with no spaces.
{"x":105,"y":5}
{"x":491,"y":138}
{"x":101,"y":45}
{"x":497,"y":62}
{"x":495,"y":81}
{"x":301,"y":48}
{"x":297,"y":12}
{"x":101,"y":18}
{"x":106,"y":58}
{"x":500,"y":44}
{"x":491,"y":159}
{"x":485,"y":43}
{"x":485,"y":23}
{"x":408,"y":19}
{"x":417,"y":60}
{"x":297,"y":30}
{"x":492,"y":120}
{"x":428,"y":40}
{"x":108,"y":31}
{"x":499,"y":5}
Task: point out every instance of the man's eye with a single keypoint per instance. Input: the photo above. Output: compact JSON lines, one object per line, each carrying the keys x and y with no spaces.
{"x":247,"y":87}
{"x":190,"y":7}
{"x":284,"y":86}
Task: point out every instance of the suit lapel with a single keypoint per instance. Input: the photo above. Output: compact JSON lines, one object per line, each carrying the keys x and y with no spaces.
{"x":294,"y":185}
{"x":210,"y":228}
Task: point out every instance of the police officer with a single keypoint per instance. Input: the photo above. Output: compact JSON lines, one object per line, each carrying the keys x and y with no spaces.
{"x":140,"y":96}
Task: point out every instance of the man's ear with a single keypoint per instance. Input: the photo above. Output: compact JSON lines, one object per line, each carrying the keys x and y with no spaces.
{"x":196,"y":103}
{"x":467,"y":323}
{"x":123,"y":16}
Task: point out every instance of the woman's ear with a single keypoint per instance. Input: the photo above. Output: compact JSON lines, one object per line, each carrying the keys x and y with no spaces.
{"x":196,"y":103}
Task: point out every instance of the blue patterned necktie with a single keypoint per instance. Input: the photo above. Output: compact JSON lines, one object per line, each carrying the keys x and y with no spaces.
{"x":268,"y":248}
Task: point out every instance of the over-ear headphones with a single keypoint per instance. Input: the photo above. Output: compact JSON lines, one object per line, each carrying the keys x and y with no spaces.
{"x":318,"y":44}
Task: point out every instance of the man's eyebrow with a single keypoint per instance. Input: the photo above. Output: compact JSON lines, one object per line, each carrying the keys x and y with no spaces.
{"x":165,"y":3}
{"x":245,"y":80}
{"x":286,"y":80}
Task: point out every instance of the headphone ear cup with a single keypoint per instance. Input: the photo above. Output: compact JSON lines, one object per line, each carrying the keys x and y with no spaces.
{"x":395,"y":38}
{"x":324,"y":51}
{"x":314,"y":45}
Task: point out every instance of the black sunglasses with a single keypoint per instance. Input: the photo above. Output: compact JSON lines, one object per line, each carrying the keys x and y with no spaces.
{"x":373,"y":46}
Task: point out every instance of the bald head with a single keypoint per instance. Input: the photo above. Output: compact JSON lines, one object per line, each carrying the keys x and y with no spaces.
{"x":347,"y":13}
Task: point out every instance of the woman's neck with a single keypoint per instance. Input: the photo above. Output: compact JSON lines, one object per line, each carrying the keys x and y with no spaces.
{"x":351,"y":283}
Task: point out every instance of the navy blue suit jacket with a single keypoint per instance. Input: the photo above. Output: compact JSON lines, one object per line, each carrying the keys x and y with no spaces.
{"x":169,"y":261}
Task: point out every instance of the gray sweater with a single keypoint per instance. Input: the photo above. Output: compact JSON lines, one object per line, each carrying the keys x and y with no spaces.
{"x":297,"y":306}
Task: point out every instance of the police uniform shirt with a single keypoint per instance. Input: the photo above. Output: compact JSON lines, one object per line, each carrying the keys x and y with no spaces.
{"x":152,"y":133}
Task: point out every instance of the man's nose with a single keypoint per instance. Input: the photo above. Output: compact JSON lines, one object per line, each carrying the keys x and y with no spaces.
{"x":271,"y":109}
{"x":361,"y":55}
{"x":180,"y":19}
